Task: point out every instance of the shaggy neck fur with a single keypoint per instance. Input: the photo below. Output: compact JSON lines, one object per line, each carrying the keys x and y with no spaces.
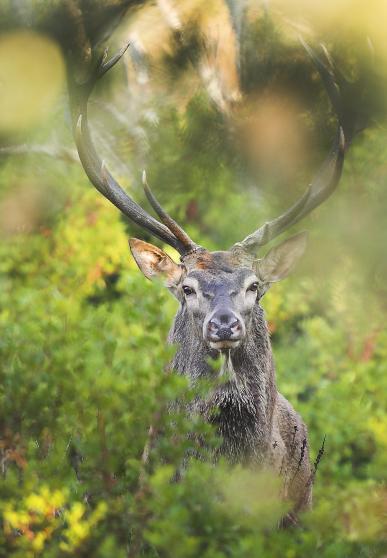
{"x":241,"y":406}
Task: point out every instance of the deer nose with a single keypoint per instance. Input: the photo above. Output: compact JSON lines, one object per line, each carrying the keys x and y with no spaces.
{"x":224,"y":326}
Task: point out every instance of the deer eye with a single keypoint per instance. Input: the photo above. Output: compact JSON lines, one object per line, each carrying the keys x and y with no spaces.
{"x":253,"y":287}
{"x":188,"y":290}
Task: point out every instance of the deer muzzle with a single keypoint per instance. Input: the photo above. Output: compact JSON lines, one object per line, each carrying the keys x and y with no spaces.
{"x":223,"y":329}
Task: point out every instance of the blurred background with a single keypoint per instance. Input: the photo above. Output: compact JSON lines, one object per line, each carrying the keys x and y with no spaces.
{"x":222,"y":106}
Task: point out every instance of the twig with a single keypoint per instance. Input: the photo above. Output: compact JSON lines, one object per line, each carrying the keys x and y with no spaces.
{"x":135,"y":544}
{"x":312,"y":476}
{"x":291,"y":450}
{"x":319,"y":455}
{"x":302,"y":455}
{"x":64,"y":153}
{"x":285,"y":473}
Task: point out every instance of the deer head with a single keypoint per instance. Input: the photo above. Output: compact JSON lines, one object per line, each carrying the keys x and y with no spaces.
{"x":218,"y":289}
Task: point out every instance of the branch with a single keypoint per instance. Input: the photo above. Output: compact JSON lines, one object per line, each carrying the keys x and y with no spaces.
{"x":63,"y":153}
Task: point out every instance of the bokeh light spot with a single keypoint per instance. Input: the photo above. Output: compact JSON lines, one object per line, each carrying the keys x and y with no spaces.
{"x":31,"y":77}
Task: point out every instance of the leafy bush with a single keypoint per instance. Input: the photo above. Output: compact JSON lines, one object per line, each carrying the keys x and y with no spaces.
{"x":83,"y":352}
{"x":90,"y":450}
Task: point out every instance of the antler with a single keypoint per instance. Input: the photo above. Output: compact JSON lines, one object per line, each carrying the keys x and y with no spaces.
{"x":168,"y":231}
{"x":327,"y":178}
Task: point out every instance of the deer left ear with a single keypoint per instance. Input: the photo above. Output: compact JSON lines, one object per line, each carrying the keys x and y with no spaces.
{"x":153,"y":262}
{"x":280,"y":261}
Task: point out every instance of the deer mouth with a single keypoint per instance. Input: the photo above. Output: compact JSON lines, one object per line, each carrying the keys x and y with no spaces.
{"x":224,"y":344}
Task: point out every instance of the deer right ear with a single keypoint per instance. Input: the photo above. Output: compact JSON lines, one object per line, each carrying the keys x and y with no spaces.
{"x":153,"y":262}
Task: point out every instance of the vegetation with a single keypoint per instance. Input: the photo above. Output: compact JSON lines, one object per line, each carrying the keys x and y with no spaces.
{"x":82,"y":335}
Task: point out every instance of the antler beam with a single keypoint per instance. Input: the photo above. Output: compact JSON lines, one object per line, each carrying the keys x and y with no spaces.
{"x":326,"y":180}
{"x":168,"y":231}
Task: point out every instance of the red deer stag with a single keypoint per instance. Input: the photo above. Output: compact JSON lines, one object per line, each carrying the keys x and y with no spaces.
{"x":219,"y":295}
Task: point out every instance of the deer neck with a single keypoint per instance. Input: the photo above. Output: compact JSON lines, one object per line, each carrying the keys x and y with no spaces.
{"x":245,"y":391}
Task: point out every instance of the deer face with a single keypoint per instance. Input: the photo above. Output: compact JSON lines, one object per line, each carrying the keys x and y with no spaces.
{"x":220,"y":302}
{"x":217,"y":290}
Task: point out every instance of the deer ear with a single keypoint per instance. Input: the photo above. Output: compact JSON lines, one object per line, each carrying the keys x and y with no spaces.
{"x":153,"y":262}
{"x":280,"y":261}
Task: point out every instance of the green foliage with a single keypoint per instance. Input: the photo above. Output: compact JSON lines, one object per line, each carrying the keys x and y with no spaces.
{"x":90,"y":449}
{"x":82,"y":358}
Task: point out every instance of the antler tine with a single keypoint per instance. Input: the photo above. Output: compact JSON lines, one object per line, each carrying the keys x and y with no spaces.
{"x":174,"y":227}
{"x":326,"y":180}
{"x":97,"y":172}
